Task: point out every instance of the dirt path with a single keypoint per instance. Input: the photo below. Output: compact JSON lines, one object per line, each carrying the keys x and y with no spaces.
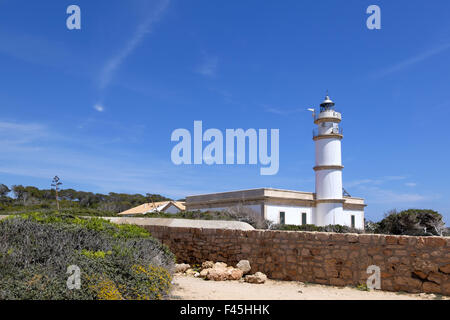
{"x":190,"y":288}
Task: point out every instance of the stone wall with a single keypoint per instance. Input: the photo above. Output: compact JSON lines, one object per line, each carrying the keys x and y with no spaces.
{"x":409,"y":264}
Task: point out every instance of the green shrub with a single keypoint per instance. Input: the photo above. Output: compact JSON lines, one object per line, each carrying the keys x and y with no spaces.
{"x":415,"y":222}
{"x":116,"y":261}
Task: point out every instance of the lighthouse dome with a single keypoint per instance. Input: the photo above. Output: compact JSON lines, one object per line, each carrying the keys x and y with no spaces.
{"x":327,"y":102}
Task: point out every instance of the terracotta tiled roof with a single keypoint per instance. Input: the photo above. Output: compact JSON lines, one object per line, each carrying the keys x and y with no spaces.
{"x":152,"y":206}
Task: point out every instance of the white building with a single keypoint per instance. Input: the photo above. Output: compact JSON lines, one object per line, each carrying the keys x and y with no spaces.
{"x":326,"y":206}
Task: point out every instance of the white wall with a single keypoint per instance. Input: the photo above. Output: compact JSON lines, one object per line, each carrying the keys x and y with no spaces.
{"x":328,"y":213}
{"x":292,"y":214}
{"x":329,"y":184}
{"x":254,"y":207}
{"x":359,"y":218}
{"x":328,"y":152}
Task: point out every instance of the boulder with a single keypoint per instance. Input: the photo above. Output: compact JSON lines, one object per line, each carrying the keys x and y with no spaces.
{"x":182,"y":267}
{"x":258,"y":277}
{"x":244,"y":265}
{"x":204,"y":272}
{"x":207,"y":264}
{"x":190,"y":272}
{"x":217,"y":274}
{"x":220,"y":265}
{"x":220,"y":272}
{"x":235,"y":274}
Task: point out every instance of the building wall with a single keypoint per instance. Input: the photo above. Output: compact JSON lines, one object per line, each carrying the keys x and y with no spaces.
{"x":293,"y":214}
{"x":328,"y":213}
{"x":359,"y":218}
{"x":255,"y":207}
{"x":328,"y":152}
{"x":329,"y":184}
{"x":409,"y":264}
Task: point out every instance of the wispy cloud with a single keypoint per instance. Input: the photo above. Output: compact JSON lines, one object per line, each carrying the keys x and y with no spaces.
{"x":411,"y":61}
{"x":410,"y":184}
{"x":145,"y":27}
{"x":379,"y":195}
{"x":17,"y":134}
{"x":282,"y":111}
{"x":208,"y":67}
{"x":377,"y":181}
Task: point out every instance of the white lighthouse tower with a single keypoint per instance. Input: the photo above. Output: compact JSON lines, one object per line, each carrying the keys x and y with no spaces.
{"x":328,"y":166}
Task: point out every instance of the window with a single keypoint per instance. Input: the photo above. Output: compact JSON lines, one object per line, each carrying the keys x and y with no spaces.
{"x":353,"y":221}
{"x":303,"y":218}
{"x":282,"y":219}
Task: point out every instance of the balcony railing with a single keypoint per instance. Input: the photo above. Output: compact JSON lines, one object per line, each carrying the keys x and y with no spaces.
{"x":330,"y":131}
{"x":327,"y":114}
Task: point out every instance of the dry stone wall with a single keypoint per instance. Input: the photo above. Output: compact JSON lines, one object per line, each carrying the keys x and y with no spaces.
{"x":409,"y":264}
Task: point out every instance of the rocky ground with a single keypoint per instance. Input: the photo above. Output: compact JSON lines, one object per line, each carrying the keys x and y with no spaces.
{"x":217,"y":281}
{"x":191,"y":288}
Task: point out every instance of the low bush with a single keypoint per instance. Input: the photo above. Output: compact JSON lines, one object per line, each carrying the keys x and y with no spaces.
{"x":116,"y":261}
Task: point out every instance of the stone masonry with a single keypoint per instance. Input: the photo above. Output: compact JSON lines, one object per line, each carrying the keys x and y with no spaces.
{"x":407,"y":263}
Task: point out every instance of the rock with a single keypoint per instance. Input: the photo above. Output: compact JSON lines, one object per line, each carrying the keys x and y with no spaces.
{"x":220,"y":265}
{"x":258,"y":277}
{"x":220,"y":272}
{"x":197,"y":274}
{"x":207,"y":264}
{"x":190,"y":272}
{"x":244,"y":265}
{"x":420,"y":274}
{"x":182,"y":267}
{"x":445,"y":269}
{"x":431,"y":287}
{"x":235,"y":274}
{"x":425,"y":266}
{"x":217,"y":274}
{"x":204,"y":272}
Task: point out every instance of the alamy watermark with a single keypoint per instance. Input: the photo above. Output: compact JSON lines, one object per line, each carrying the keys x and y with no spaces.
{"x":374,"y":280}
{"x":74,"y":20}
{"x":74,"y":280}
{"x":374,"y":20}
{"x":213,"y":152}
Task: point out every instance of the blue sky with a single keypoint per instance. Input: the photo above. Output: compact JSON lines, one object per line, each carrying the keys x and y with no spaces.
{"x":97,"y":106}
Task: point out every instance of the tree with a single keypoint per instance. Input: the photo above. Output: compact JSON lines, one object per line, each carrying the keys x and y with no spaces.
{"x":19,"y":193}
{"x":56,"y":183}
{"x":412,"y":222}
{"x":4,"y":190}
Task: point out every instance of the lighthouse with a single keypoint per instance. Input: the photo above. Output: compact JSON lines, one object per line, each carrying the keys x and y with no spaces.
{"x":328,"y":165}
{"x":328,"y":205}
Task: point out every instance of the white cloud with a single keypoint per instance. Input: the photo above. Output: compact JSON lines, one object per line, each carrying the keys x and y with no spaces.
{"x":385,"y":196}
{"x":99,"y":107}
{"x":283,"y":112}
{"x":412,"y":61}
{"x":410,"y":184}
{"x":39,"y":151}
{"x":15,"y":134}
{"x":377,"y":181}
{"x":142,"y":30}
